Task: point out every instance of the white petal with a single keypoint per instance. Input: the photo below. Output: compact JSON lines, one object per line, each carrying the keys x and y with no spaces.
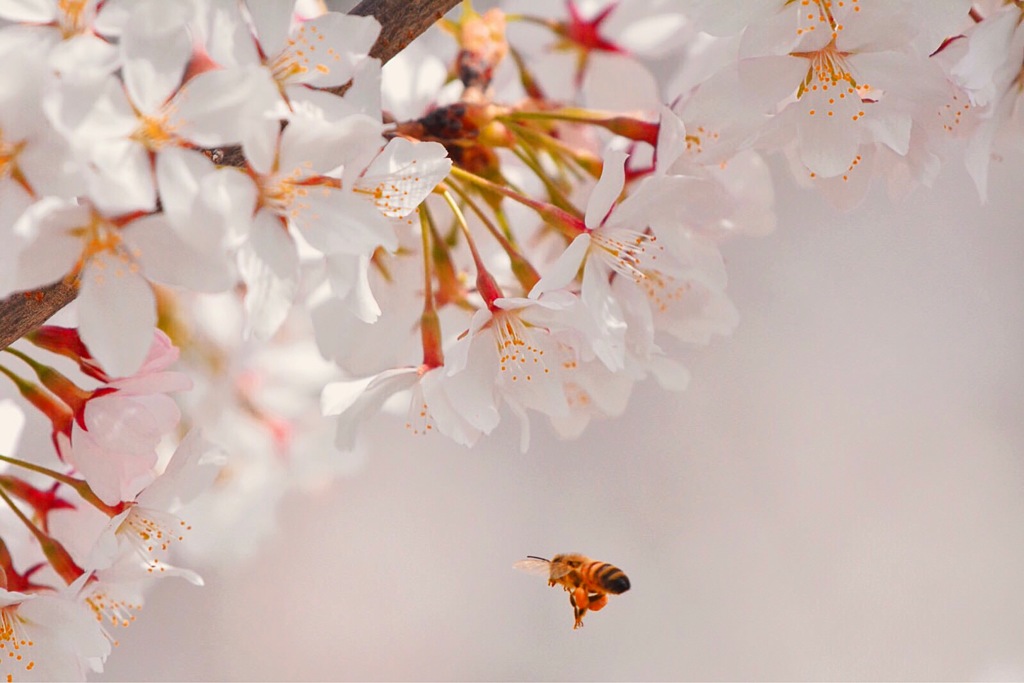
{"x":327,"y":48}
{"x":272,"y":19}
{"x":193,"y":468}
{"x":155,"y":52}
{"x":168,"y":259}
{"x":617,"y":82}
{"x":269,"y":264}
{"x":85,"y":56}
{"x":120,"y":177}
{"x":217,"y":107}
{"x":313,"y":146}
{"x":52,"y":250}
{"x":116,"y":314}
{"x":349,"y":278}
{"x":34,"y":11}
{"x":354,"y":402}
{"x":178,"y":172}
{"x":565,"y":268}
{"x":404,"y":175}
{"x":606,"y":192}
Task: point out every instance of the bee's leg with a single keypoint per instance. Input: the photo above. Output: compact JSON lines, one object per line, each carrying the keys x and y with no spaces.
{"x":597,"y":601}
{"x":580,"y":602}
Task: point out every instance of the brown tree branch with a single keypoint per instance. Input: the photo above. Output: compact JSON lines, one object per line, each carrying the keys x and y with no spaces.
{"x":401,"y":22}
{"x":23,"y":312}
{"x":416,"y":17}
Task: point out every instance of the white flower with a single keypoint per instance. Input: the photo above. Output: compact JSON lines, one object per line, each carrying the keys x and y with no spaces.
{"x":429,"y":406}
{"x":990,"y":70}
{"x":49,"y":637}
{"x":841,"y":75}
{"x":136,"y":542}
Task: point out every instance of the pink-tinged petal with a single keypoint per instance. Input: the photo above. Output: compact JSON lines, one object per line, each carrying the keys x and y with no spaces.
{"x":565,"y":268}
{"x":323,"y":52}
{"x":608,"y":188}
{"x":153,"y":377}
{"x":130,"y":424}
{"x":193,"y":468}
{"x":120,"y":177}
{"x":269,"y":265}
{"x":112,"y":476}
{"x":217,"y":107}
{"x":154,"y":382}
{"x":116,"y":314}
{"x":52,"y":251}
{"x":166,"y":258}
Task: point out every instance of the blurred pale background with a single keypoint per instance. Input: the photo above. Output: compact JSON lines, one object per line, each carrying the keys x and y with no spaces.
{"x":839,"y":495}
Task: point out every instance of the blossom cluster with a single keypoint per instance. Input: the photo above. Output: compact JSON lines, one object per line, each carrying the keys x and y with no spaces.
{"x":520,"y":215}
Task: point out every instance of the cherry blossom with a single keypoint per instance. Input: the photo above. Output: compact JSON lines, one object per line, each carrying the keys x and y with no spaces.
{"x":276,"y":238}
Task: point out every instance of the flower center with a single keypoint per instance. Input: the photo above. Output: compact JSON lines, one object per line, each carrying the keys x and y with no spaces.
{"x":13,"y":639}
{"x":627,"y":252}
{"x":154,"y":132}
{"x":72,"y":17}
{"x":518,"y":358}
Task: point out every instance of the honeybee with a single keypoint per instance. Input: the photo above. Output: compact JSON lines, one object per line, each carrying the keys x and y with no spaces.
{"x":588,"y":581}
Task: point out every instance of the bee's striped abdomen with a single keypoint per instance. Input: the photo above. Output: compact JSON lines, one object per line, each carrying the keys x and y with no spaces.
{"x":607,"y":577}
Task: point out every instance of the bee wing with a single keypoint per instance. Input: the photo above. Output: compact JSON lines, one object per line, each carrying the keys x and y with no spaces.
{"x":534,"y":565}
{"x":546,"y":568}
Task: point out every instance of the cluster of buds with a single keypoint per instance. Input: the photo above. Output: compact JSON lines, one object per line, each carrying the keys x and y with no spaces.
{"x":519,"y":215}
